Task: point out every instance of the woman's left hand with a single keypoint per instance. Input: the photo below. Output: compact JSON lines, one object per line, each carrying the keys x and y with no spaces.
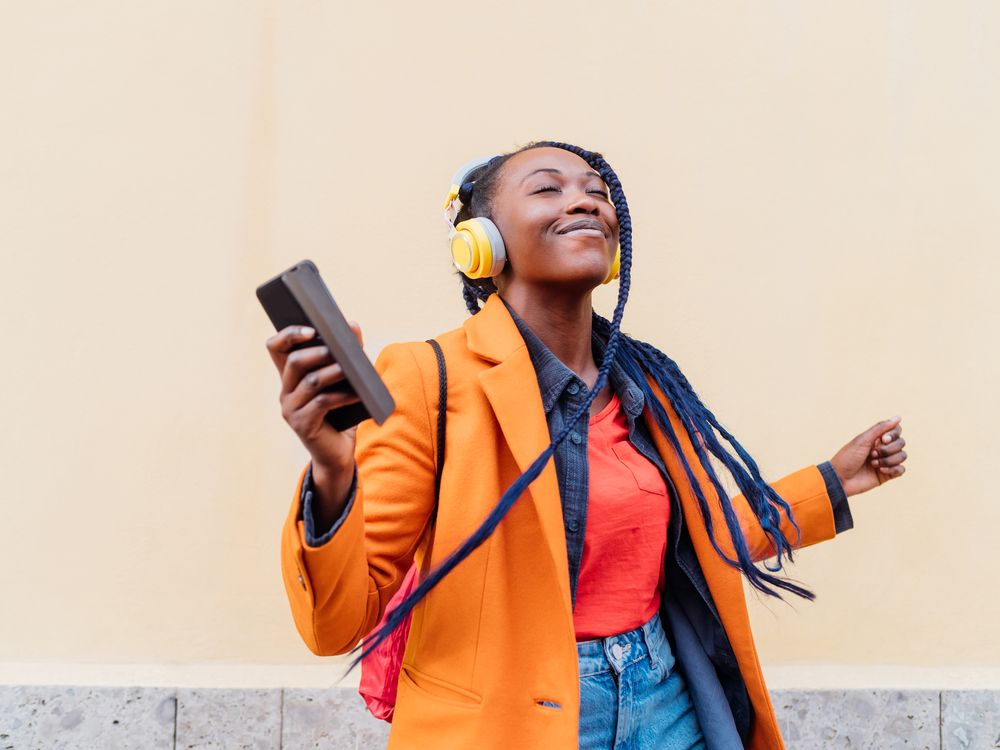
{"x":872,"y":458}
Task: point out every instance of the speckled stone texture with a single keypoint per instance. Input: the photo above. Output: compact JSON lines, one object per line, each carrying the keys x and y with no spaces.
{"x":98,"y":718}
{"x":228,"y":719}
{"x":970,"y":719}
{"x":333,"y":718}
{"x":859,"y":719}
{"x":61,"y":717}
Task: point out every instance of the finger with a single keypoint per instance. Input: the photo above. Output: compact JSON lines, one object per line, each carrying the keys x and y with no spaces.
{"x":313,"y":412}
{"x":318,"y":381}
{"x":892,"y":471}
{"x":875,"y":432}
{"x":893,"y":460}
{"x":891,"y":435}
{"x":357,"y":332}
{"x":887,"y":450}
{"x":329,"y":400}
{"x":301,"y":363}
{"x":281,"y":343}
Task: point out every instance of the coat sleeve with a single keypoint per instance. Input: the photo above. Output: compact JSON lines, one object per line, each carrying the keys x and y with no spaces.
{"x":338,"y":590}
{"x":808,"y":493}
{"x":842,"y":518}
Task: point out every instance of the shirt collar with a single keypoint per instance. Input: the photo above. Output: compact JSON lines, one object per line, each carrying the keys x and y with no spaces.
{"x":554,"y":376}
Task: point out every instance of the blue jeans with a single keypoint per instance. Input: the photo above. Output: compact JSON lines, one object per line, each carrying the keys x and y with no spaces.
{"x":632,"y":696}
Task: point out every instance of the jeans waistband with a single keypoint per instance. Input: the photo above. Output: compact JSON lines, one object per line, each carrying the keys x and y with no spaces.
{"x":618,"y":651}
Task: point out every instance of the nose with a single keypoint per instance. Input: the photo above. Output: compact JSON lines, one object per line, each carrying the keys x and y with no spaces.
{"x":582,"y":202}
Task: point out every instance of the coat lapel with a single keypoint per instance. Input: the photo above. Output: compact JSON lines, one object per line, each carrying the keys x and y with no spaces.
{"x":492,"y":334}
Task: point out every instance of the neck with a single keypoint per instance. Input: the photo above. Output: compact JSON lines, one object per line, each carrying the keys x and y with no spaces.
{"x":564,"y":324}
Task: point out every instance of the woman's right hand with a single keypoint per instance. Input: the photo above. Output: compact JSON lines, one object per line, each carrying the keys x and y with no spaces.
{"x":305,"y":373}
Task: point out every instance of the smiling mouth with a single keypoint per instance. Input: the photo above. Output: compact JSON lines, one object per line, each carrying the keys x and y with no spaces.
{"x":584,"y":226}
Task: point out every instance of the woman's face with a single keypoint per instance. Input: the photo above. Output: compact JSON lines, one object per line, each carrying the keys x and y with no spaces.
{"x":557,"y":220}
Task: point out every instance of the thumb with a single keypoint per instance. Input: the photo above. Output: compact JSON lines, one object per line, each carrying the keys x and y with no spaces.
{"x":357,"y":331}
{"x":874,"y":432}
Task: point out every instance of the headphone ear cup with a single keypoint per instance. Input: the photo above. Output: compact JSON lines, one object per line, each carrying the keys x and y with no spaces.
{"x":615,"y":266}
{"x":477,"y":248}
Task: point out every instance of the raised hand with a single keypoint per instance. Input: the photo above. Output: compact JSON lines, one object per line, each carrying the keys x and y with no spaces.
{"x":306,"y":376}
{"x":872,"y":458}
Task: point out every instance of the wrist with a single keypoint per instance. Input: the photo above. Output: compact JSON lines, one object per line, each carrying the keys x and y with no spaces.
{"x":331,"y":486}
{"x":324,"y":469}
{"x":839,"y":473}
{"x":833,"y":465}
{"x":328,"y":476}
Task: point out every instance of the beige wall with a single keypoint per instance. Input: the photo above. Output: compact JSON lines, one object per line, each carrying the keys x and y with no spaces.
{"x":813,"y":187}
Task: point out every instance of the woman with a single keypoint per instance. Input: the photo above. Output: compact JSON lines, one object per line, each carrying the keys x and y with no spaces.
{"x":606,"y":608}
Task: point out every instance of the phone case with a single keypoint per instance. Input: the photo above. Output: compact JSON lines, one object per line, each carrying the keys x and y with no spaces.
{"x":298,"y":296}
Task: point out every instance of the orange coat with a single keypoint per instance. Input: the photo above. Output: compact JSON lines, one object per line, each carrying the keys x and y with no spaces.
{"x":496,"y":636}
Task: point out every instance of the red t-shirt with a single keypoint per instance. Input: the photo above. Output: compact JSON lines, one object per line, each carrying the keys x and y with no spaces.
{"x":621,"y":574}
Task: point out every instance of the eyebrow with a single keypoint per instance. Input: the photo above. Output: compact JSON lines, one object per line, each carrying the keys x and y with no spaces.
{"x":552,"y":170}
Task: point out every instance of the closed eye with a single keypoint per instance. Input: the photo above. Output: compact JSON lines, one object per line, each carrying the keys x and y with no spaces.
{"x":548,"y":188}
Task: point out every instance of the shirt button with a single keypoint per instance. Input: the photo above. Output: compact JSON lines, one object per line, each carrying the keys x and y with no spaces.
{"x":572,"y":524}
{"x":576,"y":438}
{"x":573,"y":388}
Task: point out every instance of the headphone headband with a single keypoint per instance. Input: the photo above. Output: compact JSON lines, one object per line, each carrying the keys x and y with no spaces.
{"x":463,"y":172}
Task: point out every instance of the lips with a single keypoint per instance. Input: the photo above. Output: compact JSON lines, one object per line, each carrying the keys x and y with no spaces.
{"x":583,"y":224}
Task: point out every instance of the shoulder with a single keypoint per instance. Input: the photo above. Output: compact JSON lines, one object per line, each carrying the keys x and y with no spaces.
{"x":412,"y":366}
{"x":454,"y":347}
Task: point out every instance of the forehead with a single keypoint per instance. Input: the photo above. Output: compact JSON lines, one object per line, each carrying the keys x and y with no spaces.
{"x":548,"y":157}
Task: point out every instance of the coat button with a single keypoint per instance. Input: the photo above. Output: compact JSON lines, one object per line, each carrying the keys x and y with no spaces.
{"x":576,"y":438}
{"x":572,"y":524}
{"x":573,"y":388}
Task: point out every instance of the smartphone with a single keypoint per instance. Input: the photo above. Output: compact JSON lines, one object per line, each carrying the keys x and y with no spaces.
{"x":298,"y":296}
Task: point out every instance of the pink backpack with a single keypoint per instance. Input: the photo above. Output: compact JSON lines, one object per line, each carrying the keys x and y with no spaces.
{"x":380,"y":668}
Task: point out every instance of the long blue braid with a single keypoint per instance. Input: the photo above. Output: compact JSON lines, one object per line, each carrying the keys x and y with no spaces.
{"x":637,"y":358}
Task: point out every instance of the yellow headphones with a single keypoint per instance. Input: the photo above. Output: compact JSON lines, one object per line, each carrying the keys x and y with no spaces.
{"x":477,"y":248}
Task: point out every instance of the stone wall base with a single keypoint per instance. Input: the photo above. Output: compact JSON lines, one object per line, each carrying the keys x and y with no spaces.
{"x":68,"y":717}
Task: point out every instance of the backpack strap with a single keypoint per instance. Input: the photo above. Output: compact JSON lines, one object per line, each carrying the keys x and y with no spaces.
{"x":442,"y":411}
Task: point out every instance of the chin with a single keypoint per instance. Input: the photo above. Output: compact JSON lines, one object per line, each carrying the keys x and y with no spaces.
{"x":582,"y":279}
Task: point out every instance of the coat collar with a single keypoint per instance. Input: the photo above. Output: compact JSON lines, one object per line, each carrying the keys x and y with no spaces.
{"x":553,"y":375}
{"x":494,"y":336}
{"x":491,"y":333}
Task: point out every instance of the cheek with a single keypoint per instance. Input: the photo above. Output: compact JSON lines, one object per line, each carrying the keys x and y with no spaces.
{"x":535,"y":219}
{"x":611,"y":216}
{"x":527,"y":226}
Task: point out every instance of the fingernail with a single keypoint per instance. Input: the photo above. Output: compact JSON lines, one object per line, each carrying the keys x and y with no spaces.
{"x":887,"y":437}
{"x":306,"y":331}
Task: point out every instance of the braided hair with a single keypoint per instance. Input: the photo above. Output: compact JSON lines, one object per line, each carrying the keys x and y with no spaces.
{"x":637,"y":358}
